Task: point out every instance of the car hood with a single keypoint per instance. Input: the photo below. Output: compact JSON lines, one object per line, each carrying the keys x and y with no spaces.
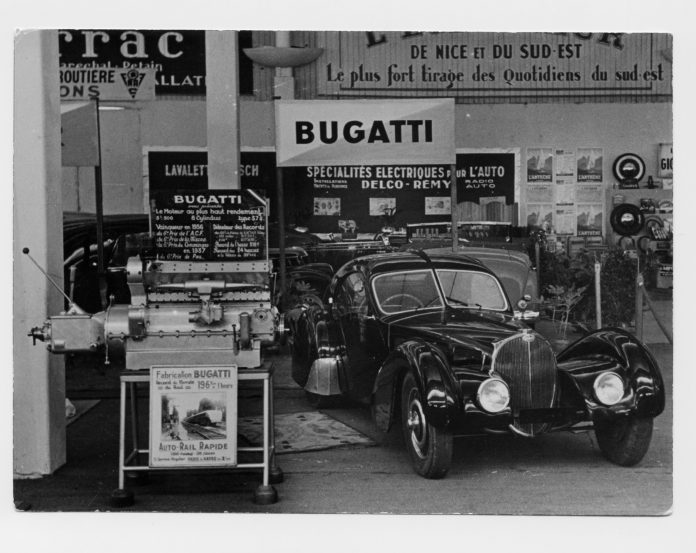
{"x":470,"y":328}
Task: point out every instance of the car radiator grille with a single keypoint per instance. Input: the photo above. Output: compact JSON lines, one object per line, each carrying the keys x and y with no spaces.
{"x":528,"y":365}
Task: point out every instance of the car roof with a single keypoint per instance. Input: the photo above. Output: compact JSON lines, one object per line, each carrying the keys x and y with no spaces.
{"x":403,"y":261}
{"x":486,"y":254}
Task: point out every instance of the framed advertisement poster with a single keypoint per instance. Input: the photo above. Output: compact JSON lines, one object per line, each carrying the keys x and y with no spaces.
{"x":193,"y":416}
{"x":590,"y":165}
{"x":540,"y":165}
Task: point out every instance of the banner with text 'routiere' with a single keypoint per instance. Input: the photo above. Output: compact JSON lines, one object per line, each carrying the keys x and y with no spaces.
{"x":365,"y":132}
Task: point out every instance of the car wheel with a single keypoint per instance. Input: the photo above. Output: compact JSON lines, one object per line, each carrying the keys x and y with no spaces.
{"x":624,"y":441}
{"x":430,"y":448}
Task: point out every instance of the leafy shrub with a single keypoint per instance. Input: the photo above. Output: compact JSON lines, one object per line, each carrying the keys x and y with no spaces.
{"x":562,"y":275}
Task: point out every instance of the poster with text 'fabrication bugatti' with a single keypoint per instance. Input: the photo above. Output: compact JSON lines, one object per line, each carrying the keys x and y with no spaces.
{"x":193,"y":416}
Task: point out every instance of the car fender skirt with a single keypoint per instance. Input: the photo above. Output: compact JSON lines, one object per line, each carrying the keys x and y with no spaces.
{"x":323,"y":377}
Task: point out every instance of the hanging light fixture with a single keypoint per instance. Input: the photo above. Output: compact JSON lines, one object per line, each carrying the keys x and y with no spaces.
{"x":283,"y":56}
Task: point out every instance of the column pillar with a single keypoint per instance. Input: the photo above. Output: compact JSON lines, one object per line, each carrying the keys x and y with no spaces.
{"x":39,"y":377}
{"x":222,"y":108}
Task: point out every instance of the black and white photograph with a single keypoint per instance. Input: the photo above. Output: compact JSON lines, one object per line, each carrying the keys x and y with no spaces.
{"x":381,"y":269}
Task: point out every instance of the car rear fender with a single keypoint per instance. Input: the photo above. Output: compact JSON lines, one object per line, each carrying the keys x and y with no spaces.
{"x":433,"y":377}
{"x":613,"y":349}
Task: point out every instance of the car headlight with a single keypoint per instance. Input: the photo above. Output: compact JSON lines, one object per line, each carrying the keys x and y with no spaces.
{"x":608,"y":388}
{"x":493,"y":395}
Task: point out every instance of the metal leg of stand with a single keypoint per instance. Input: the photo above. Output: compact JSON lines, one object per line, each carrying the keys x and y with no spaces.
{"x":266,"y":432}
{"x":121,"y":497}
{"x":276,"y":472}
{"x":266,"y":494}
{"x":134,"y":413}
{"x":122,"y":437}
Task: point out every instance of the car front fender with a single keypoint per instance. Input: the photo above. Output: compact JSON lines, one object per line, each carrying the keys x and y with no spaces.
{"x":613,"y":349}
{"x":433,"y":377}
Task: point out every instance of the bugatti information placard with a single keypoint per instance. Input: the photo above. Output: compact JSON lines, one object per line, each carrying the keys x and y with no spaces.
{"x":193,"y":416}
{"x":211,"y":225}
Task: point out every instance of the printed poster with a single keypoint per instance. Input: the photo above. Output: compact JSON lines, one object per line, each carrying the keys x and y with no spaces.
{"x":438,"y":205}
{"x":565,"y":220}
{"x":590,"y":193}
{"x":539,"y":165}
{"x":540,"y":215}
{"x":590,"y":165}
{"x":193,"y":416}
{"x":565,"y":167}
{"x":382,"y":206}
{"x":565,"y":194}
{"x":590,"y":219}
{"x":327,"y":206}
{"x":539,"y":193}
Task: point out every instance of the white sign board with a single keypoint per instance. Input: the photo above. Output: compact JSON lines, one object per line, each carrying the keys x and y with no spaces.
{"x":365,"y":132}
{"x":666,"y":160}
{"x":193,"y":416}
{"x":78,"y":134}
{"x":107,"y":83}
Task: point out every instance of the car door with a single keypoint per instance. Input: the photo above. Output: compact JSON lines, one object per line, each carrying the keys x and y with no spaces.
{"x":361,"y":334}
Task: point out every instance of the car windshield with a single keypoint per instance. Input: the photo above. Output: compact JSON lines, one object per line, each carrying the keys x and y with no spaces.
{"x":406,"y":291}
{"x":472,"y":289}
{"x":411,"y":290}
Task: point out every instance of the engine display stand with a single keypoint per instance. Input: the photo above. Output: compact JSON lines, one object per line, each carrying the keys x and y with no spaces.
{"x":265,"y":493}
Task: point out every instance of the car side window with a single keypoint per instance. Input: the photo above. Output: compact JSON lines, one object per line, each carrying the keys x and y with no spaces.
{"x":351,"y":296}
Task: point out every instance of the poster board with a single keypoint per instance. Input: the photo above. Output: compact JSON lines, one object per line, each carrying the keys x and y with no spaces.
{"x":209,"y":225}
{"x":193,"y":416}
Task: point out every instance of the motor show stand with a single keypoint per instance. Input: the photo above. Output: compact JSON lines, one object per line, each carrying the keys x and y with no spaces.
{"x":129,"y":462}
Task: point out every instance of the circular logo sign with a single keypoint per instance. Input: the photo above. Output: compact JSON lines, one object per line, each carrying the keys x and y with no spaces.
{"x":629,"y":168}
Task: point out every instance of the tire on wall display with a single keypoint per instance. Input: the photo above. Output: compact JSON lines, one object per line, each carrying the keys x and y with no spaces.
{"x":628,"y":168}
{"x":627,"y":219}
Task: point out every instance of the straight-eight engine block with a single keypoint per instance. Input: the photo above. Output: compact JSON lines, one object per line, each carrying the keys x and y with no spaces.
{"x":182,"y":312}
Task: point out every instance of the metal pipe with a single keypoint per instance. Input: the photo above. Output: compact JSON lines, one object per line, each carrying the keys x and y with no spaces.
{"x":598,"y":294}
{"x":537,"y":261}
{"x":453,"y":207}
{"x":639,"y":306}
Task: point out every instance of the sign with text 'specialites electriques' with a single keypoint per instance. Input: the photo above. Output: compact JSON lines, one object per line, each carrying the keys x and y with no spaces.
{"x":364,"y":132}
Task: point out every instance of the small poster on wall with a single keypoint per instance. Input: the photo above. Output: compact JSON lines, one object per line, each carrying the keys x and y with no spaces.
{"x":539,"y":165}
{"x":590,"y":219}
{"x":590,"y":168}
{"x":193,"y":416}
{"x":438,"y":205}
{"x":564,"y":219}
{"x":590,"y":193}
{"x":540,"y":215}
{"x":565,"y":194}
{"x":565,"y":167}
{"x":382,"y":206}
{"x":327,"y":206}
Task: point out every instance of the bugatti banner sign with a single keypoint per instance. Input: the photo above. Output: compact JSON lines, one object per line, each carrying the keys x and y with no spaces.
{"x":365,"y":132}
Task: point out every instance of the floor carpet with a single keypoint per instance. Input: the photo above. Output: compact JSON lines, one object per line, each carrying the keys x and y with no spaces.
{"x":305,"y":431}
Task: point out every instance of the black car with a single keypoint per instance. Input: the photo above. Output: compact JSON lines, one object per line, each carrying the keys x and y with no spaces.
{"x":435,"y":344}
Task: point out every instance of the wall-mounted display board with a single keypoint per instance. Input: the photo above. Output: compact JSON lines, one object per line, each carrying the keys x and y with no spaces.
{"x":177,"y":56}
{"x":564,"y":191}
{"x":210,"y":225}
{"x":186,"y":168}
{"x":491,"y":67}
